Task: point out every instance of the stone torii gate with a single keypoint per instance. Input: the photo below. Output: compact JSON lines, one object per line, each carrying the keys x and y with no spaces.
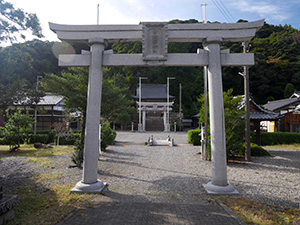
{"x":155,"y":37}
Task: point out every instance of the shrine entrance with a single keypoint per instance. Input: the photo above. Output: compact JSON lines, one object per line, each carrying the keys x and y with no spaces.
{"x":155,"y":37}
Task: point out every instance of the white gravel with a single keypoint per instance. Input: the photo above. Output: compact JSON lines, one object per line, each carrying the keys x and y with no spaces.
{"x":167,"y":174}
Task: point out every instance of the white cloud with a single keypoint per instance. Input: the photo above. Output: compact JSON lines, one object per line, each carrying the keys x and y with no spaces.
{"x":268,"y":10}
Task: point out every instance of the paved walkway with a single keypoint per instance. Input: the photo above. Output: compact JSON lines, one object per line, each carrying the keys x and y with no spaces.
{"x":152,"y":185}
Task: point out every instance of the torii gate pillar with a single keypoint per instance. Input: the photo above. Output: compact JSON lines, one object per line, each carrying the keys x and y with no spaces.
{"x":89,"y":182}
{"x":218,"y":184}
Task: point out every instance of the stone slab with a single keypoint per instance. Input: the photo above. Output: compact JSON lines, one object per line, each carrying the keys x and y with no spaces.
{"x":149,"y":213}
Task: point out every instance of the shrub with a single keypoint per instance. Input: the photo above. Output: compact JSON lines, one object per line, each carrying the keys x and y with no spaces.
{"x":234,"y":125}
{"x":194,"y":137}
{"x":68,"y":138}
{"x":77,"y":156}
{"x":17,"y":125}
{"x":277,"y":138}
{"x":108,"y":135}
{"x":4,"y":141}
{"x":255,"y":150}
{"x":51,"y":134}
{"x":42,"y":138}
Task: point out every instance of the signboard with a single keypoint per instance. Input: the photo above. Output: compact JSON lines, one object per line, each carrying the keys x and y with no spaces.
{"x":155,"y":41}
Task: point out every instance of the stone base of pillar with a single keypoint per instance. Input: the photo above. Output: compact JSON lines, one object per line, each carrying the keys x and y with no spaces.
{"x":168,"y":128}
{"x":220,"y":190}
{"x":140,"y":127}
{"x":95,"y":188}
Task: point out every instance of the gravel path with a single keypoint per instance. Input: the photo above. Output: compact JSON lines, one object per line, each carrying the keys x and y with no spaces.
{"x":136,"y":172}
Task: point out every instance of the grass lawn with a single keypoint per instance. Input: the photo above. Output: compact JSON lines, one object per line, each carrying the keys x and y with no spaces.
{"x":30,"y":151}
{"x":294,"y":147}
{"x":254,"y":212}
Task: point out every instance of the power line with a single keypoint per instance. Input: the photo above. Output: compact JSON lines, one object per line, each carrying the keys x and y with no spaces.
{"x":224,"y":13}
{"x":227,"y":11}
{"x":221,"y":10}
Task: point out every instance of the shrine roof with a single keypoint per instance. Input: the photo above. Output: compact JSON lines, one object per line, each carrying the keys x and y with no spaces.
{"x":281,"y":104}
{"x":153,"y":91}
{"x":258,"y":113}
{"x":48,"y":99}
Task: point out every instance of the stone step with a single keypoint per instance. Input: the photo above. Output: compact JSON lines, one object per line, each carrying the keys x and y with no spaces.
{"x":154,"y":124}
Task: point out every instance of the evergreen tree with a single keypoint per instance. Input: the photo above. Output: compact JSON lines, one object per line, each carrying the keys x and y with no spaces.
{"x":289,"y":90}
{"x":14,"y":22}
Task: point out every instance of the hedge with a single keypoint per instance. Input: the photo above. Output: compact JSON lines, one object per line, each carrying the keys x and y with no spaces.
{"x":194,"y":137}
{"x":277,"y":138}
{"x":42,"y":138}
{"x":67,"y":139}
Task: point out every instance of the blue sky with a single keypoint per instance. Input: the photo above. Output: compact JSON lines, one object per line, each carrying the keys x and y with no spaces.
{"x":134,"y":11}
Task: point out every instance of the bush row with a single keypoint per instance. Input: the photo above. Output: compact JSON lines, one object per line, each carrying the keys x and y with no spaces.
{"x":68,"y":138}
{"x":45,"y":137}
{"x":277,"y":138}
{"x":274,"y":138}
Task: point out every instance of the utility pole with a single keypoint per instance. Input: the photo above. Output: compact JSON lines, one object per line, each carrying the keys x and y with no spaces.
{"x":35,"y":110}
{"x":180,"y":107}
{"x":205,"y":94}
{"x":204,"y":11}
{"x":98,"y":14}
{"x":168,"y":102}
{"x":140,"y":126}
{"x":247,"y":107}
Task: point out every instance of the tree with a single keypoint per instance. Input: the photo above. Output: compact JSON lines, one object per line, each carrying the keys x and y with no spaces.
{"x":289,"y":90}
{"x":234,"y":125}
{"x":16,"y":21}
{"x":16,"y":127}
{"x":73,"y":85}
{"x":12,"y":93}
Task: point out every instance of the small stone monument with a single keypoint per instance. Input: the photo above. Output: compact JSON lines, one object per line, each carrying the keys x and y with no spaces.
{"x":167,"y":142}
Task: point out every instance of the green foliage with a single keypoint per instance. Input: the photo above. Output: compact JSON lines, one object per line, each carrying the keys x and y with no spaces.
{"x":68,"y":138}
{"x":4,"y":141}
{"x":17,"y":126}
{"x":116,"y":101}
{"x":277,"y":138}
{"x":42,"y":138}
{"x":255,"y":150}
{"x":194,"y":137}
{"x":77,"y":156}
{"x":289,"y":90}
{"x":234,"y":125}
{"x":108,"y":135}
{"x":72,"y":85}
{"x":16,"y":21}
{"x":277,"y":53}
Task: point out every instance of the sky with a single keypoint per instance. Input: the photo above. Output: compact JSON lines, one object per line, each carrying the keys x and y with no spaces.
{"x":134,"y":11}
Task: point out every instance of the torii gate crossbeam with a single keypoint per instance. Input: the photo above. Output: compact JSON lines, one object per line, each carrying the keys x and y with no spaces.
{"x":155,"y":37}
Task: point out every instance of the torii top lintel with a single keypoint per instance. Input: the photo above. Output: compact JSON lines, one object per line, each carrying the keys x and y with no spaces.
{"x":233,"y":32}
